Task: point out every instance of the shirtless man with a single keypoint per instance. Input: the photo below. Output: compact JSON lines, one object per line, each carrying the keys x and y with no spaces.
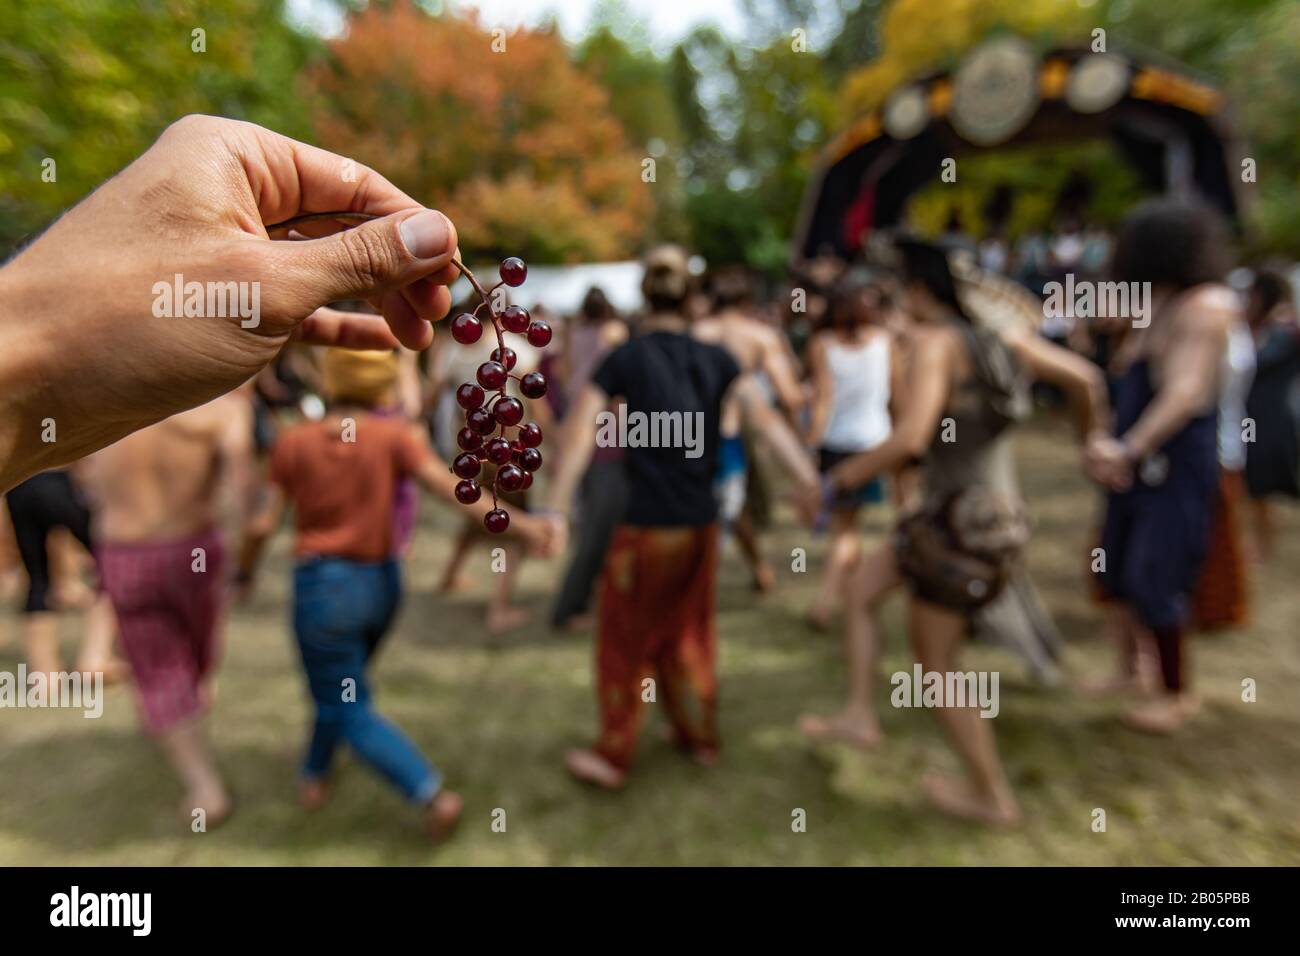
{"x":162,"y":564}
{"x":757,"y":348}
{"x":1161,"y":464}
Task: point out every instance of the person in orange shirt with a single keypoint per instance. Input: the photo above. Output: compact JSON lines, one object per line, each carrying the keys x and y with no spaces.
{"x":340,"y":475}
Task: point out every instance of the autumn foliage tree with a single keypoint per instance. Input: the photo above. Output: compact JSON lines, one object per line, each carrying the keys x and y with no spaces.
{"x":500,"y":131}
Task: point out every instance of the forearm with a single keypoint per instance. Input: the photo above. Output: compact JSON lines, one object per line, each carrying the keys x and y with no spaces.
{"x":821,"y":413}
{"x":1171,"y":409}
{"x":577,"y":444}
{"x":861,"y":468}
{"x":780,"y":437}
{"x":1091,"y":405}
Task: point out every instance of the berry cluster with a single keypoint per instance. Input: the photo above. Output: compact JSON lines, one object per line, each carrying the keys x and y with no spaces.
{"x":516,"y":459}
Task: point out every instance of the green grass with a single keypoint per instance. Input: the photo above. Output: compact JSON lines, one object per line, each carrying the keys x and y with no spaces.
{"x":497,"y":715}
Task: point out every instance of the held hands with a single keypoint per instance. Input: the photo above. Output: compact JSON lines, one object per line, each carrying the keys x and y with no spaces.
{"x":809,"y":499}
{"x":93,"y":335}
{"x":544,"y":534}
{"x":1108,"y":462}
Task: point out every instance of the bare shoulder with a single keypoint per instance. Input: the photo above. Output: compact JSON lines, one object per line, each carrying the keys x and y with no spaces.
{"x":707,"y":328}
{"x":935,"y":339}
{"x":1208,"y":308}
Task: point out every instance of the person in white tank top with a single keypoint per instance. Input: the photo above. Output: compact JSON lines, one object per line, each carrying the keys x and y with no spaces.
{"x":852,"y":368}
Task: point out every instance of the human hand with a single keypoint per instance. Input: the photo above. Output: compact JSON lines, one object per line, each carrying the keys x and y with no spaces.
{"x":1107,"y":462}
{"x":91,"y":338}
{"x":540,"y":532}
{"x":809,"y":499}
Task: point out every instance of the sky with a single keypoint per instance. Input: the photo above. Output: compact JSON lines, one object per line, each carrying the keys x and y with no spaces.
{"x":668,"y":20}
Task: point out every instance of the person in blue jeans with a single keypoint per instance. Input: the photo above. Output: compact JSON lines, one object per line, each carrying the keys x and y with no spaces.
{"x":340,"y":475}
{"x":342,"y":610}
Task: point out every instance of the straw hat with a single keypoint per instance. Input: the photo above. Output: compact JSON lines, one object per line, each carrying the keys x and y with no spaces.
{"x":363,"y":378}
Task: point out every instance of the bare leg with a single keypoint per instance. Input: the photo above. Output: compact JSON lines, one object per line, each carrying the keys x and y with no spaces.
{"x":187,"y":750}
{"x":750,"y":547}
{"x":590,"y":767}
{"x":11,"y":576}
{"x":96,"y":654}
{"x":1177,"y":704}
{"x":845,"y":549}
{"x":452,"y":580}
{"x":67,"y":560}
{"x":873,"y":579}
{"x":501,"y":614}
{"x":41,"y":640}
{"x":986,"y":797}
{"x":1122,"y":631}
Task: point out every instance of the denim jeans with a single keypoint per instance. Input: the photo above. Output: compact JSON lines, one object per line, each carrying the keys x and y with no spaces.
{"x":341,"y":611}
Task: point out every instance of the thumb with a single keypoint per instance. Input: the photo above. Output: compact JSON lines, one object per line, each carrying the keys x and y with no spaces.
{"x":370,"y":259}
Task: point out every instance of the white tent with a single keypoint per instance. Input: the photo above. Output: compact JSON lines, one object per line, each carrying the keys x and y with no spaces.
{"x":561,"y":288}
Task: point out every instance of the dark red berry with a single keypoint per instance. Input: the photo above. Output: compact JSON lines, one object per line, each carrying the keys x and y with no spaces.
{"x":481,"y":420}
{"x":468,"y":439}
{"x":466,"y":329}
{"x":491,"y":375}
{"x":498,"y":451}
{"x":530,"y":435}
{"x":513,"y":271}
{"x":468,"y":492}
{"x":531,"y":460}
{"x":469,"y":395}
{"x":533,"y":385}
{"x":510,"y":477}
{"x":466,"y":465}
{"x":539,"y":335}
{"x":515,"y":318}
{"x":508,"y":411}
{"x":506,"y":358}
{"x":496,"y":521}
{"x":528,"y":481}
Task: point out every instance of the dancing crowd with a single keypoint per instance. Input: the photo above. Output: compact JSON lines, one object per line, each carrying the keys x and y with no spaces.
{"x":894,"y":379}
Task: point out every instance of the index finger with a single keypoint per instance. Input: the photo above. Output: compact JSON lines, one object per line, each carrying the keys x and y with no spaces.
{"x":290,"y":178}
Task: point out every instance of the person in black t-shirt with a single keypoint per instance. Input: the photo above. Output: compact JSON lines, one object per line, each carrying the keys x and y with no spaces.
{"x":657,"y":625}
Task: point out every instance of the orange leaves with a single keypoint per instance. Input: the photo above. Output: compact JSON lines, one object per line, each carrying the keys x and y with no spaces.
{"x":500,"y":131}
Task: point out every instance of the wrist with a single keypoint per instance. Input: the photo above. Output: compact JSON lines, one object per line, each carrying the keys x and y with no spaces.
{"x":1132,"y":450}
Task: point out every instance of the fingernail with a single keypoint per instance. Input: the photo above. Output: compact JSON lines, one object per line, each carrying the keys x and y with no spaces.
{"x":425,"y":234}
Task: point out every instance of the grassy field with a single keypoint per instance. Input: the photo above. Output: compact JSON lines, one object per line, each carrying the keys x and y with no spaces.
{"x":497,"y":715}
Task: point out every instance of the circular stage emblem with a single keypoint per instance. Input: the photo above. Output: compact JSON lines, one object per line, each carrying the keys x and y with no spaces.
{"x":1097,"y":82}
{"x":995,"y":92}
{"x":906,"y":113}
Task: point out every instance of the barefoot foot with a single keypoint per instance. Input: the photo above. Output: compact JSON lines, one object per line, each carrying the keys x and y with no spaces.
{"x":313,"y":793}
{"x":860,"y":730}
{"x":217,"y":807}
{"x":1163,"y":716}
{"x":590,"y":767}
{"x":957,"y":798}
{"x":502,"y":619}
{"x":442,"y":815}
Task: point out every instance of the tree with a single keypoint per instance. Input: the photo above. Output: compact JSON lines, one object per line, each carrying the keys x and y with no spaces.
{"x":86,"y":85}
{"x":502,"y":132}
